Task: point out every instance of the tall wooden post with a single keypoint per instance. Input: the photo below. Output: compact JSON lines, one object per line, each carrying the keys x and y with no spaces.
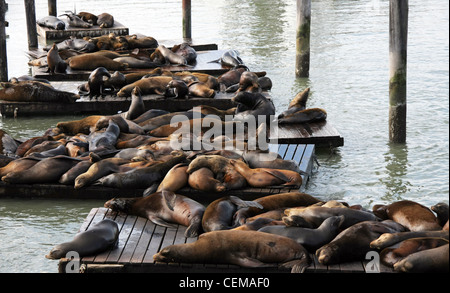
{"x":398,"y":37}
{"x":52,"y":7}
{"x":302,"y":40}
{"x":3,"y":57}
{"x":30,"y":14}
{"x":187,"y":23}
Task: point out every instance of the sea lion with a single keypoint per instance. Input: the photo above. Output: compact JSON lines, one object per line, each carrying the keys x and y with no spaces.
{"x":243,"y":248}
{"x":34,"y":91}
{"x":311,"y":239}
{"x":18,"y":165}
{"x":427,"y":261}
{"x":265,"y":160}
{"x":210,"y":110}
{"x":230,"y":58}
{"x":163,"y":119}
{"x":148,"y":86}
{"x":179,"y":126}
{"x":58,"y":150}
{"x":171,"y":57}
{"x":352,"y":244}
{"x":203,"y":179}
{"x":76,"y":21}
{"x":201,"y":90}
{"x":441,"y":209}
{"x":51,"y":22}
{"x":249,"y":82}
{"x":231,"y":77}
{"x":259,"y":224}
{"x":185,"y":51}
{"x":142,"y":177}
{"x":315,"y":215}
{"x":262,"y":177}
{"x":152,"y":113}
{"x":84,"y":125}
{"x":97,"y":170}
{"x":219,"y":213}
{"x":98,"y":238}
{"x":55,"y":63}
{"x":178,"y":89}
{"x":135,"y":62}
{"x":8,"y":145}
{"x":43,"y":146}
{"x":389,"y":256}
{"x":22,"y":148}
{"x":130,"y":153}
{"x":175,"y":179}
{"x":96,"y":81}
{"x":104,"y":140}
{"x":105,"y":20}
{"x":297,"y":104}
{"x":48,"y":170}
{"x":68,"y":178}
{"x":91,"y":61}
{"x":141,"y":42}
{"x":412,"y":215}
{"x":389,"y":239}
{"x":276,"y":201}
{"x":137,"y":106}
{"x":109,"y":42}
{"x":163,"y":208}
{"x":251,"y":106}
{"x":88,"y":17}
{"x":304,"y":116}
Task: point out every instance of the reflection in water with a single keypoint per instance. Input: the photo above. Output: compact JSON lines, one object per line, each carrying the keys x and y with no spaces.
{"x":396,"y":170}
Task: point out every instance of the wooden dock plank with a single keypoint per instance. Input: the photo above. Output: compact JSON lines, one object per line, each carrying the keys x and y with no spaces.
{"x":131,"y":244}
{"x":154,"y":244}
{"x":125,"y":233}
{"x":95,"y":31}
{"x":142,"y":245}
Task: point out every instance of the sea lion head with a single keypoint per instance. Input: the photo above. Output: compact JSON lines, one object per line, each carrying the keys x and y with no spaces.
{"x":59,"y":251}
{"x":120,"y":204}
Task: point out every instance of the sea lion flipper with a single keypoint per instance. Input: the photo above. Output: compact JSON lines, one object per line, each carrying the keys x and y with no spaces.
{"x":277,"y":174}
{"x":297,"y":265}
{"x":150,"y":190}
{"x":244,"y":203}
{"x":169,"y":198}
{"x":161,"y":222}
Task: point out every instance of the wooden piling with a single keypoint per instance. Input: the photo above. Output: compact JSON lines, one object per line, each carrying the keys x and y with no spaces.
{"x":398,"y":37}
{"x":52,"y":7}
{"x":187,"y":23}
{"x":3,"y":58}
{"x":30,"y":14}
{"x":302,"y":40}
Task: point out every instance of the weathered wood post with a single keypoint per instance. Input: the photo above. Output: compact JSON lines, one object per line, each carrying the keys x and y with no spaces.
{"x":3,"y":58}
{"x":52,"y":7}
{"x":398,"y":37}
{"x":187,"y":23}
{"x":30,"y":14}
{"x":302,"y":40}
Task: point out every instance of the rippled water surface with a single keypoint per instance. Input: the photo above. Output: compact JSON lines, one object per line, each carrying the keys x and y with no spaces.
{"x":348,"y":77}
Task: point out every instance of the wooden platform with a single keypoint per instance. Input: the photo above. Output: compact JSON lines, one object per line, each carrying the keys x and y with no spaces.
{"x":203,"y":64}
{"x":95,"y":31}
{"x":303,"y":154}
{"x":140,"y":239}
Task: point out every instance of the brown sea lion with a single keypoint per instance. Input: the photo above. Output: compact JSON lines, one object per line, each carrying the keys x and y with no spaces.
{"x":105,"y":20}
{"x":249,"y":82}
{"x":141,"y":42}
{"x":231,"y":77}
{"x":43,"y":146}
{"x":276,"y":201}
{"x":219,"y":213}
{"x":388,"y":239}
{"x":55,"y":63}
{"x":99,"y":237}
{"x":210,"y":110}
{"x":203,"y":124}
{"x":5,"y":160}
{"x":98,"y":170}
{"x":263,"y":177}
{"x":175,"y":179}
{"x":34,"y":91}
{"x":201,"y":90}
{"x":178,"y":89}
{"x":148,"y":86}
{"x":18,"y":165}
{"x":243,"y":248}
{"x":276,"y":215}
{"x":203,"y":179}
{"x":27,"y":144}
{"x":297,"y":104}
{"x":427,"y":261}
{"x":258,"y":224}
{"x":262,"y":160}
{"x":84,"y":125}
{"x":353,"y":243}
{"x":163,"y":208}
{"x":185,"y":51}
{"x":88,"y":17}
{"x":48,"y":170}
{"x":251,"y":106}
{"x":91,"y":61}
{"x":311,"y":239}
{"x":171,"y":57}
{"x":304,"y":116}
{"x":68,"y":178}
{"x":412,"y":215}
{"x":389,"y":256}
{"x":76,"y":21}
{"x":162,"y":118}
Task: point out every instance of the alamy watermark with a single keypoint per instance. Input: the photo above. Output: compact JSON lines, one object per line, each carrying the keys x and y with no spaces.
{"x":373,"y":266}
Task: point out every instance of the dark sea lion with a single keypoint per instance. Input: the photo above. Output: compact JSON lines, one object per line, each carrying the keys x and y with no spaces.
{"x":230,"y":58}
{"x":353,"y":243}
{"x":73,"y":44}
{"x":231,"y":77}
{"x":304,"y":116}
{"x":259,"y":224}
{"x":185,"y":51}
{"x":88,"y":17}
{"x":243,"y":248}
{"x":391,"y":255}
{"x":51,"y":22}
{"x":297,"y":104}
{"x":253,"y":159}
{"x":96,"y":81}
{"x":412,"y":215}
{"x":441,"y":209}
{"x":171,"y":57}
{"x":143,"y":177}
{"x":388,"y":239}
{"x":34,"y":91}
{"x":249,"y":82}
{"x":251,"y":106}
{"x":97,"y":170}
{"x":149,"y":114}
{"x":104,"y":140}
{"x":43,"y":146}
{"x":68,"y":178}
{"x":55,"y":63}
{"x":141,"y":42}
{"x":263,"y":177}
{"x":276,"y":201}
{"x":27,"y":144}
{"x":76,"y":21}
{"x":91,"y":61}
{"x":84,"y":125}
{"x":203,"y":179}
{"x":137,"y":106}
{"x":178,"y":89}
{"x":219,"y":213}
{"x":98,"y":238}
{"x":164,"y":119}
{"x":18,"y":165}
{"x":116,"y":81}
{"x":311,"y":239}
{"x":315,"y":215}
{"x":105,"y":20}
{"x":201,"y":90}
{"x":59,"y":150}
{"x":427,"y":261}
{"x":148,"y":86}
{"x":175,"y":179}
{"x":265,"y":83}
{"x":163,"y":208}
{"x":48,"y":170}
{"x":8,"y":145}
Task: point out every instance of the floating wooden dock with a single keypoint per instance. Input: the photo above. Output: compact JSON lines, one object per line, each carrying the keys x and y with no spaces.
{"x":94,"y":31}
{"x":302,"y":154}
{"x":140,"y":239}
